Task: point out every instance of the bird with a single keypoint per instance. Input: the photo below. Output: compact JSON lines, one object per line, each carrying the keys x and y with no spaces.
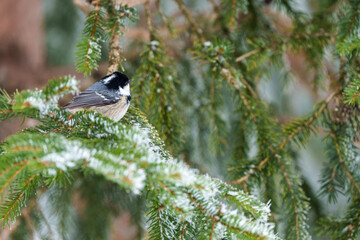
{"x":110,"y":96}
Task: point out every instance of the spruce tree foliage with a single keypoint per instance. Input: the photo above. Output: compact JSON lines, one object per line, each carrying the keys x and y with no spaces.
{"x":136,"y":165}
{"x":156,"y":80}
{"x":131,"y":155}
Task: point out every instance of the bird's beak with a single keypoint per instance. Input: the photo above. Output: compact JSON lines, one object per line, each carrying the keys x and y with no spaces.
{"x":130,"y":81}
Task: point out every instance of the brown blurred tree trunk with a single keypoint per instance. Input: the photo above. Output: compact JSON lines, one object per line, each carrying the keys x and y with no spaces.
{"x":22,"y":52}
{"x":22,"y":56}
{"x":22,"y":47}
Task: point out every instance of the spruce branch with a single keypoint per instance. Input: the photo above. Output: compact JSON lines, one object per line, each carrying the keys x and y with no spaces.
{"x":339,"y":152}
{"x":161,"y":13}
{"x":229,"y":12}
{"x":333,"y":175}
{"x":344,"y":228}
{"x":17,"y":197}
{"x":352,"y":92}
{"x":13,"y":174}
{"x":286,"y":140}
{"x":166,"y":20}
{"x":217,"y":53}
{"x":332,"y":185}
{"x":148,"y":21}
{"x":349,"y":23}
{"x":195,"y":28}
{"x":298,"y":203}
{"x":88,"y":49}
{"x":156,"y":85}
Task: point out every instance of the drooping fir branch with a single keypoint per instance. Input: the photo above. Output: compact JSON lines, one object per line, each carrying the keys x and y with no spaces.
{"x":334,"y":179}
{"x":295,"y":201}
{"x":352,"y":92}
{"x":350,"y":47}
{"x":264,"y":50}
{"x":230,"y":10}
{"x":349,"y":23}
{"x":216,"y":55}
{"x":17,"y":186}
{"x":214,"y":52}
{"x":342,"y":229}
{"x":166,"y":21}
{"x":287,"y":6}
{"x":341,"y":152}
{"x":194,"y":27}
{"x":298,"y":128}
{"x":155,"y":80}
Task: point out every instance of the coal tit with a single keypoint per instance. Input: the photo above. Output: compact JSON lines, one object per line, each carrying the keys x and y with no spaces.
{"x":110,"y":96}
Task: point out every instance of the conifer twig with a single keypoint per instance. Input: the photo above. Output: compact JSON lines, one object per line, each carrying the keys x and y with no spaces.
{"x":332,"y":179}
{"x":148,"y":20}
{"x":10,"y":208}
{"x":292,"y":197}
{"x":161,"y":13}
{"x":352,"y":21}
{"x":191,"y":20}
{"x":213,"y":224}
{"x":232,"y":80}
{"x":92,"y":36}
{"x":183,"y":231}
{"x":285,"y":141}
{"x":158,"y":214}
{"x":338,"y":150}
{"x":9,"y":180}
{"x":217,"y":219}
{"x":200,"y":36}
{"x":246,"y":55}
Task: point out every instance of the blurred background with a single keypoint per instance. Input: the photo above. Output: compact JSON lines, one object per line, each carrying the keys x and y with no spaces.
{"x":38,"y":39}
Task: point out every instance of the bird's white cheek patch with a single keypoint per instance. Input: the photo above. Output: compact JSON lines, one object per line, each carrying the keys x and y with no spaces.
{"x":125,"y":91}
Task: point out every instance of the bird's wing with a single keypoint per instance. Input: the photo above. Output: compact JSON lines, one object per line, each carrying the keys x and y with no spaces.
{"x":89,"y":98}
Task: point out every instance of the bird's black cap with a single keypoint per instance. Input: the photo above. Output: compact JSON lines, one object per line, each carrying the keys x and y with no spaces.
{"x":116,"y":80}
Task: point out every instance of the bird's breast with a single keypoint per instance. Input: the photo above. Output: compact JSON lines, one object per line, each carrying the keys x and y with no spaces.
{"x":114,"y":111}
